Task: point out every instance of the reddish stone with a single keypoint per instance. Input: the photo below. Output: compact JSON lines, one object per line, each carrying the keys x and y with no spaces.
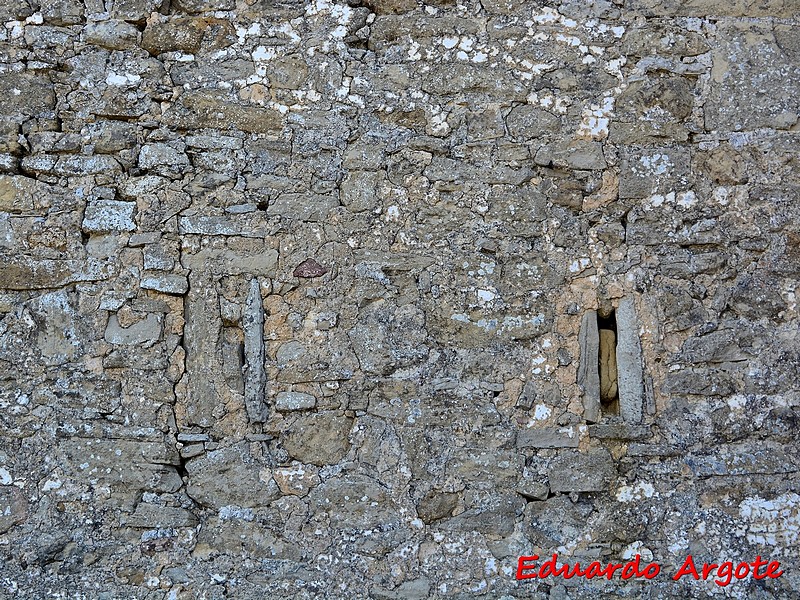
{"x":309,"y":268}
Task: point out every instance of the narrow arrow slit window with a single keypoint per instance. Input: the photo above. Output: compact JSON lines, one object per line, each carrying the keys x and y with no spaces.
{"x":607,"y":363}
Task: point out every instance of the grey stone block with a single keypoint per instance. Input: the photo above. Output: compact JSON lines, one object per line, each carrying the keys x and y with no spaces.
{"x":151,"y":516}
{"x":548,"y":437}
{"x":165,"y":282}
{"x":629,"y":363}
{"x":287,"y":401}
{"x":109,"y":215}
{"x":146,"y":331}
{"x":588,"y":374}
{"x":575,"y":471}
{"x":255,"y":377}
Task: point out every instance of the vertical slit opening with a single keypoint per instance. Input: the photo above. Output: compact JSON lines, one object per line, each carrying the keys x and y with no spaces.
{"x":607,"y":363}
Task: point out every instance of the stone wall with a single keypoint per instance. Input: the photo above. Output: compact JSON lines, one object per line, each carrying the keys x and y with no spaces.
{"x":366,"y":299}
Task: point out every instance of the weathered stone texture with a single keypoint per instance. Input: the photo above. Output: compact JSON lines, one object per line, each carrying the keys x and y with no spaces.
{"x":149,"y":516}
{"x":230,"y":477}
{"x":579,"y":472}
{"x":13,"y":507}
{"x":588,"y":371}
{"x":343,"y":299}
{"x":319,"y":439}
{"x":747,"y":63}
{"x":217,"y":110}
{"x":629,"y":363}
{"x":608,"y":365}
{"x":701,"y":8}
{"x":255,"y":376}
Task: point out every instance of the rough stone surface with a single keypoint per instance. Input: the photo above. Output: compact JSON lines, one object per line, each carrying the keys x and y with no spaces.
{"x":588,"y":371}
{"x":579,"y":472}
{"x":607,"y":357}
{"x":13,"y":507}
{"x":297,"y":479}
{"x":548,"y":438}
{"x":299,"y":299}
{"x":210,"y":478}
{"x":153,"y":516}
{"x":202,"y":349}
{"x":255,"y":377}
{"x":166,"y":283}
{"x":629,"y":363}
{"x":146,"y":331}
{"x":319,"y":439}
{"x":294,"y":401}
{"x":109,"y":215}
{"x":309,"y":268}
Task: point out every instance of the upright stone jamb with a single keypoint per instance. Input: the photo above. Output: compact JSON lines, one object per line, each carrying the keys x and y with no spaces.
{"x":255,"y":378}
{"x":629,"y":363}
{"x":203,"y":335}
{"x":588,"y":376}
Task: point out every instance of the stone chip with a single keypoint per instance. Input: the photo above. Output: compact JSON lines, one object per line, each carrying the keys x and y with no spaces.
{"x":286,"y":401}
{"x":146,"y":331}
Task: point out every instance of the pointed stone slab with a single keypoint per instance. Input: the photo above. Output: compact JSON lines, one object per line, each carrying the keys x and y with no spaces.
{"x":629,"y":363}
{"x":588,"y":375}
{"x":202,"y":340}
{"x":255,"y":377}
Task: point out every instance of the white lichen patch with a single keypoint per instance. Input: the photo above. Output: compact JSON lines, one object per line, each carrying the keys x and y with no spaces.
{"x":485,"y":295}
{"x":614,"y":67}
{"x":652,"y":165}
{"x":570,"y":40}
{"x":549,"y":101}
{"x":16,"y":29}
{"x":52,"y":483}
{"x":125,"y":79}
{"x":242,"y":33}
{"x":262,"y":53}
{"x":500,"y":327}
{"x":576,"y":266}
{"x":414,"y":51}
{"x":686,"y":199}
{"x":534,"y":69}
{"x":437,"y":121}
{"x":548,"y":16}
{"x":596,"y":119}
{"x":773,"y":522}
{"x":466,"y":44}
{"x":737,"y":402}
{"x":235,"y":513}
{"x":631,"y":550}
{"x":449,"y":42}
{"x":639,"y":491}
{"x":657,"y":200}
